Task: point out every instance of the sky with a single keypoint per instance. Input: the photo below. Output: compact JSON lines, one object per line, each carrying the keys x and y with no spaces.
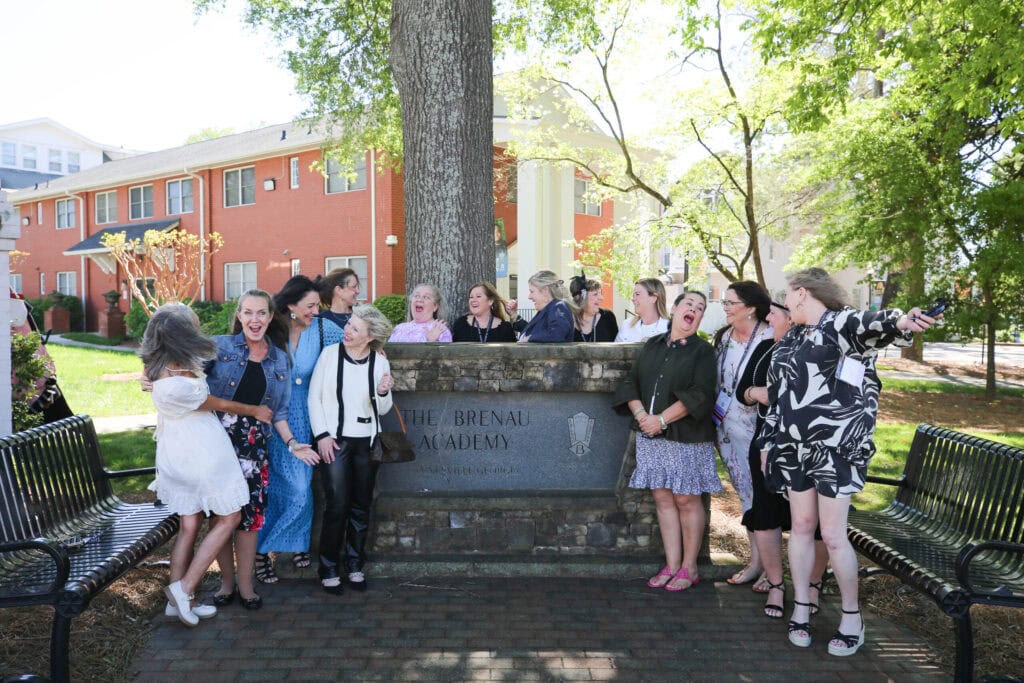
{"x":140,"y":74}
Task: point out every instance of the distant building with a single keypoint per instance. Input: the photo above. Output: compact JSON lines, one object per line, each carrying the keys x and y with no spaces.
{"x":279,"y":216}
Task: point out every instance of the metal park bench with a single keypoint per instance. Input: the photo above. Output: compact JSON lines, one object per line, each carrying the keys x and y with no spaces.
{"x":955,"y":530}
{"x":64,"y":535}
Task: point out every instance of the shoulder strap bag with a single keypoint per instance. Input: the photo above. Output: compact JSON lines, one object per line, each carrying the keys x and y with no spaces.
{"x":388,"y":447}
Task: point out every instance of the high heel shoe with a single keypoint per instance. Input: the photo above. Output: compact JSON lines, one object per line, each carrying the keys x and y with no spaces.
{"x":850,"y":644}
{"x":781,"y":585}
{"x":800,"y":632}
{"x":814,"y":605}
{"x":223,"y":600}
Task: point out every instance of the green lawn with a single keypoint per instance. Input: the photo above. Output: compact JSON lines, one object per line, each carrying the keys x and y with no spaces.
{"x":941,"y":387}
{"x":892,"y":441}
{"x":80,"y":372}
{"x":128,"y":450}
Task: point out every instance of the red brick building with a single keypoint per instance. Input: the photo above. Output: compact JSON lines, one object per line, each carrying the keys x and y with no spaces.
{"x":277,"y":214}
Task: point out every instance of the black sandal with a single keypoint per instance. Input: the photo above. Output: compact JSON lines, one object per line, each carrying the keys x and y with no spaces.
{"x":850,"y":644}
{"x":265,"y":569}
{"x":301,"y":560}
{"x":795,"y":627}
{"x":781,"y":585}
{"x":817,"y":587}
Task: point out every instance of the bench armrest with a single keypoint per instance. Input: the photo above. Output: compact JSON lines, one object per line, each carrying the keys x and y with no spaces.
{"x":888,"y":481}
{"x":60,"y":559}
{"x":967,"y":554}
{"x":121,"y":474}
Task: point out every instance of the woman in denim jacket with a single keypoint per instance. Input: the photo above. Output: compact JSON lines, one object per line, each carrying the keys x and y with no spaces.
{"x":252,"y":367}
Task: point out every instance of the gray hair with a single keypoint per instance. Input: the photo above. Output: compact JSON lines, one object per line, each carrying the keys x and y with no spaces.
{"x":377,"y":325}
{"x":546,"y":279}
{"x":820,"y":285}
{"x":439,"y":314}
{"x":173,"y":337}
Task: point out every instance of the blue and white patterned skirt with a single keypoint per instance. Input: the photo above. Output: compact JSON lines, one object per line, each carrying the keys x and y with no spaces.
{"x":684,"y":468}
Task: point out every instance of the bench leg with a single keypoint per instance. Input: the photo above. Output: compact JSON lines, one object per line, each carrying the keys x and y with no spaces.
{"x":964,"y":672}
{"x":60,"y":641}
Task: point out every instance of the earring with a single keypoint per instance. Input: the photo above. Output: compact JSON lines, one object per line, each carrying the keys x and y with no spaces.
{"x":292,"y":314}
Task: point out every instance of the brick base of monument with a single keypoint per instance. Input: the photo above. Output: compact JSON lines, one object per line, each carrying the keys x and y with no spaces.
{"x":111,"y":324}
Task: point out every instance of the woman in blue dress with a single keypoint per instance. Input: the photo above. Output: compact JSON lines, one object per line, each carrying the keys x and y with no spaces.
{"x":288,"y":517}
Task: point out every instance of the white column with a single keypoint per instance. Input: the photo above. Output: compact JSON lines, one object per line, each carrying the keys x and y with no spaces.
{"x":528,"y":221}
{"x":7,"y":236}
{"x":563,"y":221}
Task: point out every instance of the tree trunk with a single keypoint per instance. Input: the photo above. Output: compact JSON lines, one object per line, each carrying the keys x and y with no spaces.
{"x":913,"y":283}
{"x":990,"y":342}
{"x":441,"y":58}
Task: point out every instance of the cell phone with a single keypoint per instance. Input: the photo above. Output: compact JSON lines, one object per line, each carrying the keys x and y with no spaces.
{"x":938,"y":306}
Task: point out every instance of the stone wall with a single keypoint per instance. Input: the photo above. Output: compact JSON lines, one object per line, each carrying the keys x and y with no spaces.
{"x":516,"y":523}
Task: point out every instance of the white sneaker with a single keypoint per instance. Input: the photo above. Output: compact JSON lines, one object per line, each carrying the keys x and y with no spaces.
{"x":201,"y":611}
{"x":357,"y":581}
{"x":177,"y":596}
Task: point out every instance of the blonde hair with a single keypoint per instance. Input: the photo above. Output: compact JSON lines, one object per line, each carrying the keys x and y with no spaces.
{"x":377,"y":325}
{"x":546,"y":279}
{"x":655,"y":288}
{"x":820,"y":285}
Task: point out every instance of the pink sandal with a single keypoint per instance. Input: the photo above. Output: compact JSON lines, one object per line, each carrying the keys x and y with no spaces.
{"x":655,"y":583}
{"x":682,"y":575}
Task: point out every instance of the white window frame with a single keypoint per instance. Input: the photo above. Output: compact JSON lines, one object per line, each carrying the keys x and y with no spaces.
{"x":42,"y":283}
{"x":141,"y":203}
{"x":28,"y":156}
{"x":16,"y":283}
{"x":67,"y":282}
{"x":65,"y":212}
{"x":240,"y":199}
{"x":74,"y":162}
{"x":8,"y":154}
{"x":56,"y":161}
{"x":580,"y":204}
{"x":296,"y":267}
{"x":293,"y":172}
{"x":344,"y":183}
{"x":243,"y":285}
{"x":109,"y":201}
{"x":353,"y":262}
{"x":39,"y":213}
{"x":180,"y":182}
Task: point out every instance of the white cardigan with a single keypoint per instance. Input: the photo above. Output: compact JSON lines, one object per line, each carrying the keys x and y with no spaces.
{"x":323,"y":395}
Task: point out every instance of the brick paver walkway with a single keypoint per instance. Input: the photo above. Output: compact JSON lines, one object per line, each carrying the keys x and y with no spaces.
{"x":524,"y":629}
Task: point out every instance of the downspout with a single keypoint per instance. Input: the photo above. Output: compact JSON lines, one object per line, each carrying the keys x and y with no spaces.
{"x":202,"y":229}
{"x":81,"y":259}
{"x":373,"y":224}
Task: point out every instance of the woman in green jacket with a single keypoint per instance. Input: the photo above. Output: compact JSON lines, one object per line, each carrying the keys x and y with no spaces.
{"x":670,"y":390}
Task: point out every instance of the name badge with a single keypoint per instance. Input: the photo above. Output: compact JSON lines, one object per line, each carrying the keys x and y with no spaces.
{"x":851,"y":371}
{"x":722,"y":404}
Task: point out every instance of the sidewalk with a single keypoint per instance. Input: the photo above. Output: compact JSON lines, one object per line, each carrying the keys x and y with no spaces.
{"x":555,"y":629}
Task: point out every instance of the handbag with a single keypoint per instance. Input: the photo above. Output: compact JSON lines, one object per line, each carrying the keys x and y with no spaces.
{"x":391,"y":446}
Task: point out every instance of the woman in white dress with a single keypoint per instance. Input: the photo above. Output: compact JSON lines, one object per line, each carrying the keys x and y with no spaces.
{"x":197,"y":471}
{"x":651,"y":314}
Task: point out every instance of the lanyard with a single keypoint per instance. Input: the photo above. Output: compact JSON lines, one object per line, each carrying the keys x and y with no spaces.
{"x":482,"y":336}
{"x":593,"y":329}
{"x":743,"y":359}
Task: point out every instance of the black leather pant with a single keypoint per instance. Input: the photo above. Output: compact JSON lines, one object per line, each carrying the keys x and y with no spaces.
{"x":348,"y":493}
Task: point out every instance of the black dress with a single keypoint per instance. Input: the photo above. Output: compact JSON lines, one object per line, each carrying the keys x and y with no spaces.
{"x":249,"y":438}
{"x":606,"y":329}
{"x":463,"y":331}
{"x":769,"y":509}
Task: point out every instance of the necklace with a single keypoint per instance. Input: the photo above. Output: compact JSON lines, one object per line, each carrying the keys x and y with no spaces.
{"x":482,"y":335}
{"x":593,"y":329}
{"x":739,"y":366}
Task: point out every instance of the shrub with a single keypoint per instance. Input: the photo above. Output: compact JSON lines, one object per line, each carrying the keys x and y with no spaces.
{"x":37,"y":307}
{"x":26,"y":368}
{"x":135,"y":321}
{"x":71,"y":303}
{"x":392,"y":306}
{"x":224,"y":320}
{"x":209,"y":313}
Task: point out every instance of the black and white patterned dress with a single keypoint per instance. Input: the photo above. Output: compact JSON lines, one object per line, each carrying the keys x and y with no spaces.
{"x":820,"y":430}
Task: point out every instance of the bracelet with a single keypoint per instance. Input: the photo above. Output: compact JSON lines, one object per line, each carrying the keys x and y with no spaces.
{"x":637,"y":411}
{"x":661,"y":419}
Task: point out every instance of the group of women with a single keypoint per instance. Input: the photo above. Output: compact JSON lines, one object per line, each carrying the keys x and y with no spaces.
{"x":788,"y":394}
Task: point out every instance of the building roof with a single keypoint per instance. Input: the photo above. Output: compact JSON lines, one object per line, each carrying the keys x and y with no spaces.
{"x":245,"y":147}
{"x":16,"y":178}
{"x":133,"y":231}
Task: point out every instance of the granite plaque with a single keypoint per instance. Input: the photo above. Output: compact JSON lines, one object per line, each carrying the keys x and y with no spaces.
{"x":514,"y":442}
